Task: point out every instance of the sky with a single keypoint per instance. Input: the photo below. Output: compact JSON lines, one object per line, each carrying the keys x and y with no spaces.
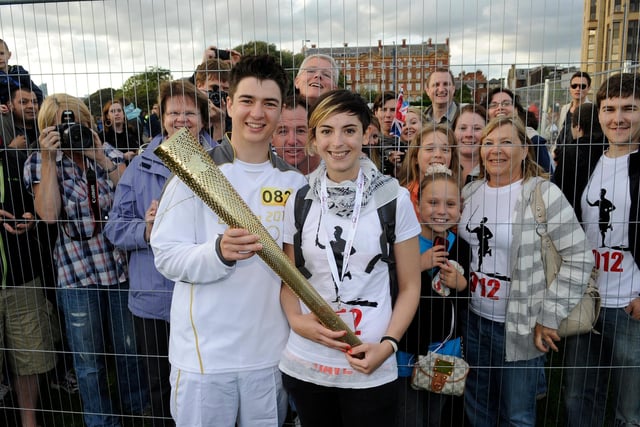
{"x":81,"y":46}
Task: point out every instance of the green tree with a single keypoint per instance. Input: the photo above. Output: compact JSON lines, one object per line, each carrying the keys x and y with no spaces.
{"x":142,"y":89}
{"x":97,"y":99}
{"x":464,"y":95}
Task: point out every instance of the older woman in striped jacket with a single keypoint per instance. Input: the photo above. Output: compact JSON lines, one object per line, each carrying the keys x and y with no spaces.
{"x":514,"y":316}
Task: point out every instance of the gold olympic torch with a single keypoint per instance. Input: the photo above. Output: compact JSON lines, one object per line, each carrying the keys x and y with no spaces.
{"x":186,"y":158}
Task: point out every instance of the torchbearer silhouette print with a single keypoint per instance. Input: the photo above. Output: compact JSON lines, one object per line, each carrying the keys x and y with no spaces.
{"x":605,"y":207}
{"x":483,"y":234}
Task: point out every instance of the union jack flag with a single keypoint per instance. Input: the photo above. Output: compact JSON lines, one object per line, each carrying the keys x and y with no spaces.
{"x":401,"y":115}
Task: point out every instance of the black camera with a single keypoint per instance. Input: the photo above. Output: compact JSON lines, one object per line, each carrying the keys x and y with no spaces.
{"x":222,"y":54}
{"x":216,"y":95}
{"x":74,"y":135}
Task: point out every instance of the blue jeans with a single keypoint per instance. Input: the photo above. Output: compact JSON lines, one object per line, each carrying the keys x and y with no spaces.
{"x":87,"y":311}
{"x":593,"y":363}
{"x":498,"y":392}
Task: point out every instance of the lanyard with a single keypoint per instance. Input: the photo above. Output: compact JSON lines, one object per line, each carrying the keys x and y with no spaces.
{"x":357,"y":205}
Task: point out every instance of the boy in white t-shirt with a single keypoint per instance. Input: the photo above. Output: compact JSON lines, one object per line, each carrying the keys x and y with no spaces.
{"x":227,"y":326}
{"x":605,"y":194}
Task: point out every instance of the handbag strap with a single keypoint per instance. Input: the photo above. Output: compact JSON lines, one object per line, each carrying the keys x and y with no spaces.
{"x":539,"y":211}
{"x":453,"y":323}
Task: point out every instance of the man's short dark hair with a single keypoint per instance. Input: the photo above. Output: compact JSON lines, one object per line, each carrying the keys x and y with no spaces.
{"x":262,"y":67}
{"x":581,"y":74}
{"x":382,"y":99}
{"x":15,"y":89}
{"x":621,"y":85}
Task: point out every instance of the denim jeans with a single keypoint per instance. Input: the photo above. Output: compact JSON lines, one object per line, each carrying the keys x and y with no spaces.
{"x":498,"y":392}
{"x":87,"y":311}
{"x":153,"y":344}
{"x":593,"y":363}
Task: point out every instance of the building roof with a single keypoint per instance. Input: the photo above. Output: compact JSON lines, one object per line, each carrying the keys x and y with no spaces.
{"x":386,"y":50}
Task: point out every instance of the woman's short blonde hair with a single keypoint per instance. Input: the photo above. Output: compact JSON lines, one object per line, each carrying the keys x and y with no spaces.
{"x":530,"y":168}
{"x":52,"y":104}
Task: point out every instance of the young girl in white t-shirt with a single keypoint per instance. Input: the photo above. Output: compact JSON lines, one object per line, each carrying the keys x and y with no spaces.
{"x":330,"y":383}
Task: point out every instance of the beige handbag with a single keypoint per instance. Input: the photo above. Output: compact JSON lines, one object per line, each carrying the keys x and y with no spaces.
{"x":584,"y":315}
{"x":442,"y":373}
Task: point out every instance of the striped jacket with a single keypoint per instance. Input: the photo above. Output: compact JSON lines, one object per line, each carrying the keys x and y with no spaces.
{"x":530,"y":301}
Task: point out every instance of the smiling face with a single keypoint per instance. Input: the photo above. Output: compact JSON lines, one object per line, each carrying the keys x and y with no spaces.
{"x":315,"y":78}
{"x":181,"y":112}
{"x":501,"y":105}
{"x":441,"y":89}
{"x":434,"y":149}
{"x":24,"y":106}
{"x":255,"y":109}
{"x":439,"y":206}
{"x":620,"y":121}
{"x":290,"y":137}
{"x":468,"y":133}
{"x":413,"y":125}
{"x":338,"y":140}
{"x":503,"y":153}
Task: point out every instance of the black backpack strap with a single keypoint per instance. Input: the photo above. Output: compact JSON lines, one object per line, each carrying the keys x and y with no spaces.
{"x":387,"y":215}
{"x":300,"y":211}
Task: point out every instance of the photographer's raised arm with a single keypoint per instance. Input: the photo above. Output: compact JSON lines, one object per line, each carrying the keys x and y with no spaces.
{"x":114,"y":169}
{"x":48,"y":202}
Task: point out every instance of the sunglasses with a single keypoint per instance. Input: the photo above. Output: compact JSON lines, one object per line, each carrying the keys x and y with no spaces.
{"x":582,"y":86}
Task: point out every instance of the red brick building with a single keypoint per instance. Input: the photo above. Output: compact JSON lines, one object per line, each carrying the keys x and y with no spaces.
{"x":388,"y":67}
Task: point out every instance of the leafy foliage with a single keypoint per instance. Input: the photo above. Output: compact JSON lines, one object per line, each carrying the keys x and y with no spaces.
{"x":142,"y":89}
{"x":97,"y":99}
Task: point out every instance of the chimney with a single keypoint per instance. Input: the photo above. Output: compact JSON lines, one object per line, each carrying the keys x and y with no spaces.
{"x":446,"y":41}
{"x":404,"y":42}
{"x":345,"y":44}
{"x":429,"y":41}
{"x":313,"y":46}
{"x":379,"y":44}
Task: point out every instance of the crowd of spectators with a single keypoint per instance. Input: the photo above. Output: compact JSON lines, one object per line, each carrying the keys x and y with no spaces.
{"x":142,"y":275}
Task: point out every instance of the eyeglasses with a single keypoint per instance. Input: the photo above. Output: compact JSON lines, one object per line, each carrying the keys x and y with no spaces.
{"x":325,"y":73}
{"x":500,"y":104}
{"x":582,"y":86}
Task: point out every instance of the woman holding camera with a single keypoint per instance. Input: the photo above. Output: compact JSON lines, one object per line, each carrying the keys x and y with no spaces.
{"x":71,"y":166}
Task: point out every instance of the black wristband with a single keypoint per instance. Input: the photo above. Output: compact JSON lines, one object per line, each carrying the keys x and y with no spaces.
{"x":219,"y":253}
{"x":394,"y":342}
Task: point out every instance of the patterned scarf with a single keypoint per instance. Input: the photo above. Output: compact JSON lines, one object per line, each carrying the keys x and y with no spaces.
{"x":379,"y":189}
